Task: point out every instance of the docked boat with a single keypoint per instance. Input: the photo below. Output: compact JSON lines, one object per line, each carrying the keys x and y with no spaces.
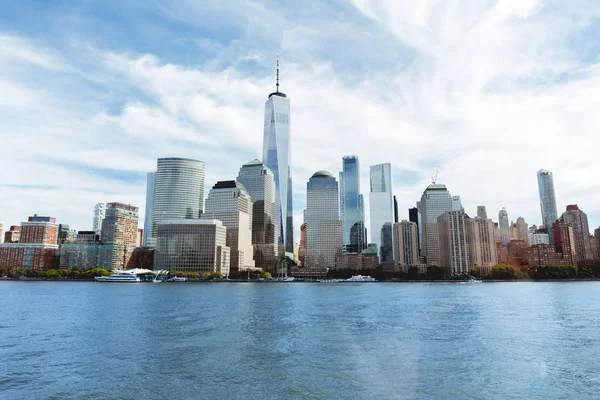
{"x":360,"y":278}
{"x":121,"y":277}
{"x":177,"y":279}
{"x":473,"y":280}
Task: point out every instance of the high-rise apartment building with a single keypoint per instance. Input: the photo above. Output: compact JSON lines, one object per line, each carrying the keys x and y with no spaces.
{"x":547,"y":199}
{"x":259,"y":181}
{"x":230,"y":203}
{"x":522,"y":230}
{"x":406,"y":244}
{"x":150,"y":181}
{"x":192,"y":245}
{"x":382,"y":211}
{"x":12,"y":234}
{"x":504,"y":226}
{"x":564,"y":242}
{"x":99,"y":213}
{"x":435,"y":201}
{"x":178,"y":191}
{"x":119,"y":235}
{"x":481,"y":212}
{"x":351,"y":207}
{"x":37,"y":247}
{"x":482,"y":244}
{"x":581,"y":232}
{"x":453,"y":238}
{"x":277,"y":155}
{"x":323,"y":225}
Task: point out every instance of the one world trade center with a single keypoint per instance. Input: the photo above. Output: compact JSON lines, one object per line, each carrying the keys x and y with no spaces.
{"x":277,"y":155}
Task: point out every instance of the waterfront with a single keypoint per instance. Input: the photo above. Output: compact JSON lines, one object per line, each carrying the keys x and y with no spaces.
{"x":318,"y":341}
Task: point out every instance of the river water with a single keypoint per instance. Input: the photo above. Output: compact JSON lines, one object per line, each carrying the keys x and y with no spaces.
{"x":76,"y":340}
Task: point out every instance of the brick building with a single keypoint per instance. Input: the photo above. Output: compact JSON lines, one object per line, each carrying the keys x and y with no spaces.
{"x":37,"y":247}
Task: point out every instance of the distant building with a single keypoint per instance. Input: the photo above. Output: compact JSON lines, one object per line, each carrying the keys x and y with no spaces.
{"x":150,"y":182}
{"x":302,"y":250}
{"x":178,"y":191}
{"x":457,"y":203}
{"x":323,"y":225}
{"x":435,"y":201}
{"x":504,"y":226}
{"x":481,"y":212}
{"x":258,"y":180}
{"x":99,"y":213}
{"x":406,"y":245}
{"x":367,"y":259}
{"x":518,"y":253}
{"x":352,"y":213}
{"x":453,"y":242}
{"x":192,"y":245}
{"x":537,"y":237}
{"x":414,"y":216}
{"x":81,"y":254}
{"x":547,"y":199}
{"x":12,"y":234}
{"x":229,"y":202}
{"x":395,"y":209}
{"x":1,"y":232}
{"x":482,"y":246}
{"x":545,"y":255}
{"x":522,"y":230}
{"x":581,"y":232}
{"x":119,"y":235}
{"x":37,"y":247}
{"x":564,"y":242}
{"x":382,"y":211}
{"x":139,"y":239}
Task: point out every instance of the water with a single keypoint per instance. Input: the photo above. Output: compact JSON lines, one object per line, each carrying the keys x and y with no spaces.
{"x":74,"y":340}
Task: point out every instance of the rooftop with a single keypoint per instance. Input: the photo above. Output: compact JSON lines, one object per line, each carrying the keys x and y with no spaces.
{"x":322,"y":174}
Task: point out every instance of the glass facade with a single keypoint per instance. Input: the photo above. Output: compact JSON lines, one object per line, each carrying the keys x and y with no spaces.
{"x":323,"y":225}
{"x":435,"y":201}
{"x":178,"y":191}
{"x":150,"y":180}
{"x":547,"y":199}
{"x":192,"y":246}
{"x":382,"y":210}
{"x":277,"y":156}
{"x":351,"y":207}
{"x":258,"y":180}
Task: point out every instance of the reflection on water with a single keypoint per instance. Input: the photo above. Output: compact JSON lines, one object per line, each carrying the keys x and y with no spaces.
{"x":252,"y":340}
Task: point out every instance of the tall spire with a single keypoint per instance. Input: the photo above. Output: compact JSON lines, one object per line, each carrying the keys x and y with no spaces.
{"x":277,"y":84}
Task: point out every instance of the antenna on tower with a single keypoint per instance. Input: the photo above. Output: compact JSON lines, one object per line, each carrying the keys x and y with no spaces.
{"x":277,"y":84}
{"x":434,"y":180}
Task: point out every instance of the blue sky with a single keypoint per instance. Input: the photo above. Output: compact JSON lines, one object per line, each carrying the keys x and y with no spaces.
{"x":485,"y":91}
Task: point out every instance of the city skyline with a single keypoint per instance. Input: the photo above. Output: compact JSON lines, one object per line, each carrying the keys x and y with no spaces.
{"x":176,"y":103}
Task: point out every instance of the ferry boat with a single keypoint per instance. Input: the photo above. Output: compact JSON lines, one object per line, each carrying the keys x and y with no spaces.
{"x":177,"y":279}
{"x":360,"y":278}
{"x":123,"y":277}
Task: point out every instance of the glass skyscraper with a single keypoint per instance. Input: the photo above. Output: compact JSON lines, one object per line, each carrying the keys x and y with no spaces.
{"x":277,"y":155}
{"x":504,"y":226}
{"x":435,"y":201}
{"x":547,"y":199}
{"x":150,"y":180}
{"x":323,"y":225}
{"x":351,"y":206}
{"x":382,"y":211}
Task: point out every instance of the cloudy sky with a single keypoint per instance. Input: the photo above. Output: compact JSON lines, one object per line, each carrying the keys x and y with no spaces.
{"x":486,"y":92}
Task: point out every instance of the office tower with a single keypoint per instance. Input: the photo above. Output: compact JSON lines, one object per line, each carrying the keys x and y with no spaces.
{"x":258,"y":180}
{"x":406,"y":244}
{"x":382,"y":209}
{"x":302,"y":249}
{"x":323,"y":225}
{"x":453,"y":240}
{"x":481,"y":212}
{"x":581,"y":232}
{"x":435,"y":201}
{"x":37,"y":247}
{"x":178,"y":191}
{"x":504,"y":226}
{"x":564,"y":241}
{"x":497,"y":235}
{"x":150,"y":181}
{"x":229,"y":202}
{"x":12,"y":234}
{"x":119,"y":234}
{"x":395,"y":209}
{"x":547,"y":199}
{"x":522,"y":230}
{"x":192,"y":245}
{"x":99,"y":212}
{"x":482,"y":245}
{"x":457,"y":203}
{"x":277,"y":155}
{"x":414,"y":216}
{"x":351,"y":207}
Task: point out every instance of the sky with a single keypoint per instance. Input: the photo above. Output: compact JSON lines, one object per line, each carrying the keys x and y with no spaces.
{"x":486,"y":92}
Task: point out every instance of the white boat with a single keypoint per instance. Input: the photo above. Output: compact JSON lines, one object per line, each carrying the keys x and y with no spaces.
{"x":123,"y":277}
{"x":177,"y":279}
{"x":473,"y":280}
{"x":360,"y":278}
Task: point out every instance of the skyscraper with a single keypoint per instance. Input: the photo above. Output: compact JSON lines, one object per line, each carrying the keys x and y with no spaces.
{"x":277,"y":155}
{"x":178,"y":191}
{"x":581,"y":232}
{"x":323,"y":225}
{"x":564,"y":242}
{"x":457,"y":203}
{"x":414,"y":216}
{"x":435,"y":201}
{"x":229,"y":202}
{"x":382,"y":209}
{"x":150,"y":180}
{"x":522,"y":230}
{"x":504,"y":226}
{"x":547,"y":199}
{"x":351,"y":206}
{"x":482,"y":246}
{"x":258,"y":180}
{"x":406,"y":244}
{"x":454,"y":242}
{"x":99,"y":212}
{"x":119,"y":234}
{"x":482,"y":212}
{"x":395,"y":209}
